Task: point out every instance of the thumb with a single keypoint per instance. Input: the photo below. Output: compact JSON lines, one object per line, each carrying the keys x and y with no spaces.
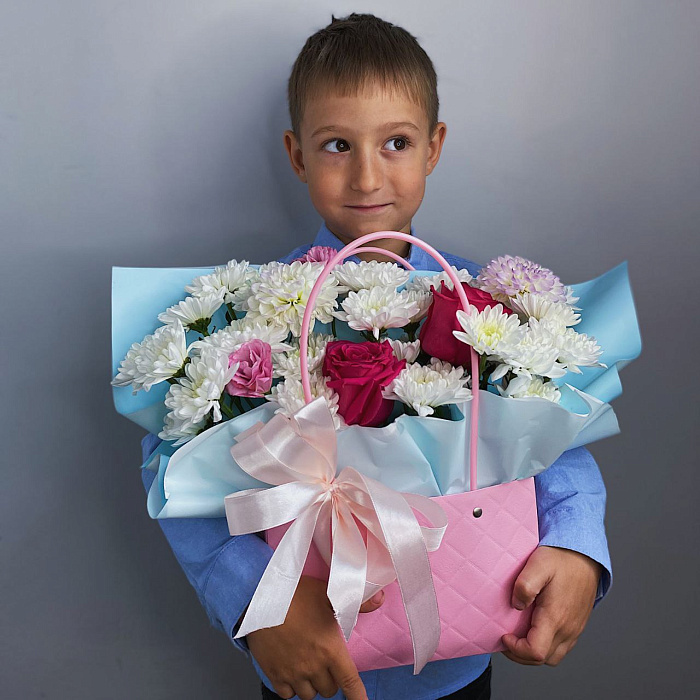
{"x":373,"y":603}
{"x":531,"y":580}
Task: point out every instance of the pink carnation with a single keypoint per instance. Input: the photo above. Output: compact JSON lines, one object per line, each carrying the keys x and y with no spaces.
{"x":318,"y":253}
{"x":254,"y":374}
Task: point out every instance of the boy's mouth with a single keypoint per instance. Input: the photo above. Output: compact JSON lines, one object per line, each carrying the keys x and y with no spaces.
{"x":367,"y":208}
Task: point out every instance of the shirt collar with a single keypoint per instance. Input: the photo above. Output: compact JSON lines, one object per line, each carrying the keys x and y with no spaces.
{"x":417,"y":257}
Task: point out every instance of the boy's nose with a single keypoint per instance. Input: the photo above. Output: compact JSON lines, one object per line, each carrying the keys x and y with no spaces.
{"x":367,"y":175}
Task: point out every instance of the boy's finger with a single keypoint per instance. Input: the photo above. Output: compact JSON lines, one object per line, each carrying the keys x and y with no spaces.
{"x":345,"y":674}
{"x":524,"y":660}
{"x":324,"y":684}
{"x":284,"y":690}
{"x":515,"y":659}
{"x":535,"y":648}
{"x":531,"y":580}
{"x":560,"y":652}
{"x":373,"y":603}
{"x":304,"y":690}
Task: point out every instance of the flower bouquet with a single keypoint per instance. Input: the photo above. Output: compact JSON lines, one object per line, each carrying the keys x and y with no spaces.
{"x":247,"y":396}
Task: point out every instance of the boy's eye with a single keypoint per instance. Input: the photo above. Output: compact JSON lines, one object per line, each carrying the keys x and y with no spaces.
{"x":337,"y":146}
{"x":398,"y":143}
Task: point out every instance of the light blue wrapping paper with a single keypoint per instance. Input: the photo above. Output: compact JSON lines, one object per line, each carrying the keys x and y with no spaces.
{"x":608,"y":313}
{"x":139,"y":294}
{"x":518,"y":438}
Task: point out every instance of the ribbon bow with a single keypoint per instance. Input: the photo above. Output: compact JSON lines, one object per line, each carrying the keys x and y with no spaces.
{"x":298,"y":456}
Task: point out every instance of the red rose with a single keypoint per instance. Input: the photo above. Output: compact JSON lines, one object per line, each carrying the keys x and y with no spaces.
{"x":358,"y":372}
{"x":436,"y":336}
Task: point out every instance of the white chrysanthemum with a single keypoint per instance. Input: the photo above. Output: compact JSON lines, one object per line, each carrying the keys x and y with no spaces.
{"x":241,"y":331}
{"x":156,"y":358}
{"x":198,"y":392}
{"x":365,"y":275}
{"x":574,"y":349}
{"x":570,"y":298}
{"x":180,"y":430}
{"x":425,"y":388}
{"x":534,"y":355}
{"x":490,"y":332}
{"x":540,"y":308}
{"x":522,"y":387}
{"x":404,"y":350}
{"x":280,"y":293}
{"x":426,"y":283}
{"x":193,"y":312}
{"x":227,"y":278}
{"x":423,"y":299}
{"x":377,"y":309}
{"x":289,"y":394}
{"x":287,"y":364}
{"x":239,"y":298}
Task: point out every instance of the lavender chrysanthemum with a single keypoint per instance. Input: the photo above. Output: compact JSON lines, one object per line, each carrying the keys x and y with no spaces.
{"x":510,"y":276}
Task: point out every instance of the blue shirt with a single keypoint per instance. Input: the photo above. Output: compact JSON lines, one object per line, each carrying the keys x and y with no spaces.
{"x":225,"y":570}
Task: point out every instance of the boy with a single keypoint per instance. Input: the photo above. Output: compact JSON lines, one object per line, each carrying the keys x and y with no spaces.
{"x":365,"y":135}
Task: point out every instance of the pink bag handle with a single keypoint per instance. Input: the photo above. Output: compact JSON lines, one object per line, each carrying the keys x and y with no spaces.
{"x":358,"y":246}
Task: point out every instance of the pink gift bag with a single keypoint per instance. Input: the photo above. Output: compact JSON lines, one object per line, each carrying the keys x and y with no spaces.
{"x":491,"y":532}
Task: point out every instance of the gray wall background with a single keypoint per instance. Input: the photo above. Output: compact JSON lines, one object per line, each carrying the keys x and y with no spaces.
{"x":149,"y":133}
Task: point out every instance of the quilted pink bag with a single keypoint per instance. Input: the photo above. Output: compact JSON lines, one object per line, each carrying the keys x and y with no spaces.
{"x":491,"y":532}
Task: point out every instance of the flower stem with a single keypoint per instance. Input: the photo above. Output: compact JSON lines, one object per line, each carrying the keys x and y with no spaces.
{"x":483,"y":374}
{"x":201,"y":326}
{"x":225,"y":409}
{"x":411,"y":330}
{"x":442,"y":412}
{"x":181,"y":372}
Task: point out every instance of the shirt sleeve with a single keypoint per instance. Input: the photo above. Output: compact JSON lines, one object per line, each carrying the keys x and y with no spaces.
{"x":223,"y":570}
{"x":571,"y":510}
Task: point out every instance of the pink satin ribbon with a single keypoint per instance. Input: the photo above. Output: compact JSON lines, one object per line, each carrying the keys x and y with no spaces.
{"x":298,"y":456}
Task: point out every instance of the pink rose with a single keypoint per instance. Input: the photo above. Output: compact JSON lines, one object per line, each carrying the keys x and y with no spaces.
{"x":358,"y":372}
{"x":254,"y":374}
{"x":436,"y":336}
{"x":318,"y":253}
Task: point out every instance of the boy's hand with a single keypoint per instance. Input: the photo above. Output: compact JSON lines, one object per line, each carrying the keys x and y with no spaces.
{"x":562,"y":583}
{"x":307,"y":654}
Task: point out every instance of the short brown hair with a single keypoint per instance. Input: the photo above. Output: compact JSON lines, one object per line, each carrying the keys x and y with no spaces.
{"x":355,"y":50}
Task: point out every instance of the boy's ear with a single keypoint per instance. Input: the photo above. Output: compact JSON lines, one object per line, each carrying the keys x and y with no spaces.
{"x":435,"y":146}
{"x":296,"y":157}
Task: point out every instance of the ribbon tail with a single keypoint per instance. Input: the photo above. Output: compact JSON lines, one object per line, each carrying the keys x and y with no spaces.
{"x":273,"y":596}
{"x":346,"y":583}
{"x":403,"y":534}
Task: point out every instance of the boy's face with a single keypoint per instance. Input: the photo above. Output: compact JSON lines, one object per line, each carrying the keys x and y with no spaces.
{"x":365,"y":159}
